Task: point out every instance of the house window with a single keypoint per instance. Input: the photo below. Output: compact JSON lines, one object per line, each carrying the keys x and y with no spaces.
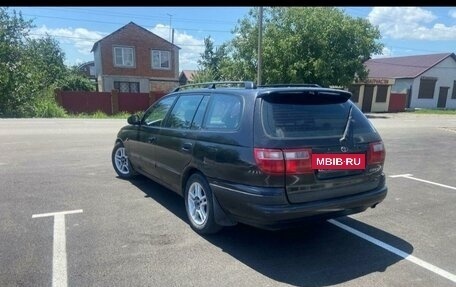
{"x":161,"y":59}
{"x":354,"y":89}
{"x":124,"y":57}
{"x":127,"y":87}
{"x":453,"y":95}
{"x":427,"y":87}
{"x":381,"y":94}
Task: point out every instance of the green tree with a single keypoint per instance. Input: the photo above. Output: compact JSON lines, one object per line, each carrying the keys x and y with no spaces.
{"x":319,"y":45}
{"x":46,"y":61}
{"x":209,"y":65}
{"x":75,"y":80}
{"x":13,"y":32}
{"x":204,"y":75}
{"x":29,"y":68}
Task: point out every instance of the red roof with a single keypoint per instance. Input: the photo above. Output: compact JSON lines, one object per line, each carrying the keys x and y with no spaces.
{"x":131,"y":24}
{"x":189,"y":74}
{"x":404,"y":67}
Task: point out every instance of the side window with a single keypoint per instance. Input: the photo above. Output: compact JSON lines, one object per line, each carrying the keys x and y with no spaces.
{"x":224,"y":112}
{"x":181,"y":116}
{"x":154,"y":115}
{"x":199,"y":116}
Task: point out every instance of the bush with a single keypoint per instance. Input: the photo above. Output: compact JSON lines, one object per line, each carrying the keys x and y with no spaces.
{"x":48,"y":108}
{"x":40,"y":105}
{"x":45,"y":106}
{"x":121,"y":115}
{"x":99,"y":115}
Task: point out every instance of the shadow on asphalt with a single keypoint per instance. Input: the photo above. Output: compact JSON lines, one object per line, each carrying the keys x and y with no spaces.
{"x":314,"y":255}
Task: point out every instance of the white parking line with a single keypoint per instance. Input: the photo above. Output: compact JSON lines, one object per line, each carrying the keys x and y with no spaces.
{"x":396,"y":251}
{"x":410,"y":176}
{"x":59,"y":260}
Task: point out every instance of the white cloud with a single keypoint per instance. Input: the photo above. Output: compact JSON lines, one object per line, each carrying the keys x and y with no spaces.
{"x":191,"y":47}
{"x":77,"y":62}
{"x":81,"y":38}
{"x":452,"y":13}
{"x":386,"y":52}
{"x":162,"y":31}
{"x":410,"y":23}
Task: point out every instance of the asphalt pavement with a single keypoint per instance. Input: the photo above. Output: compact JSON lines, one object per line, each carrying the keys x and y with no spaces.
{"x":66,"y":219}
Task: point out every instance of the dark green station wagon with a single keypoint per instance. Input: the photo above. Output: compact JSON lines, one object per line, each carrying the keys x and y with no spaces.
{"x":268,"y":156}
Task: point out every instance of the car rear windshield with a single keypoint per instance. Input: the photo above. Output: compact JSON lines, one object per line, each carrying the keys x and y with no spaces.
{"x":298,"y":116}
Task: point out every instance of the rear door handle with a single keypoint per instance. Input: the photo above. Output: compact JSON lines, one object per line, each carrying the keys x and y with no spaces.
{"x":187,"y":146}
{"x":151,"y":139}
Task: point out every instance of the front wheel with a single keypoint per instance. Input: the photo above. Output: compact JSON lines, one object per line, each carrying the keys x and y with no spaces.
{"x":120,"y":162}
{"x":199,"y":207}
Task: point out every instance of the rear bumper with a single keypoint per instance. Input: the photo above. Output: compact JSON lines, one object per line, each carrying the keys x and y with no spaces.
{"x":269,"y":208}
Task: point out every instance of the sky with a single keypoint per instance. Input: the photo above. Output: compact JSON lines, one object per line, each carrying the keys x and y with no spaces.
{"x":405,"y":30}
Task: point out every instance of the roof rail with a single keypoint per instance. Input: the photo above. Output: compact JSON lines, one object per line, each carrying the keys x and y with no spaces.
{"x":290,"y":85}
{"x":213,"y":85}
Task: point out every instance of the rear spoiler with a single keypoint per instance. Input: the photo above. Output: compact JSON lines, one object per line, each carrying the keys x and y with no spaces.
{"x":309,"y":92}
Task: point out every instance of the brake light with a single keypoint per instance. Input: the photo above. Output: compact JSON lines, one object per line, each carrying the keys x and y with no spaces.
{"x":298,"y":161}
{"x":290,"y":161}
{"x":269,"y":160}
{"x":376,"y":153}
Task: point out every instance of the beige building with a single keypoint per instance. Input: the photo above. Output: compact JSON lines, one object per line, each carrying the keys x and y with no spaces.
{"x":421,"y":81}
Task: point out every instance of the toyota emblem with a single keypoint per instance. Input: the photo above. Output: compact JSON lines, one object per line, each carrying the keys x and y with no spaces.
{"x":343,"y":149}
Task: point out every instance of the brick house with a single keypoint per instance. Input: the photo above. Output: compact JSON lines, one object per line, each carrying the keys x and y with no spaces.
{"x":186,"y":77}
{"x":87,"y":69}
{"x":133,"y":59}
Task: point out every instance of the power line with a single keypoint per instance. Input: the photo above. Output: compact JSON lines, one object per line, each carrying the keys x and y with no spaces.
{"x":196,"y":45}
{"x":92,"y":39}
{"x":183,"y":29}
{"x":129,"y":15}
{"x":117,"y":23}
{"x":95,"y":11}
{"x":202,"y":45}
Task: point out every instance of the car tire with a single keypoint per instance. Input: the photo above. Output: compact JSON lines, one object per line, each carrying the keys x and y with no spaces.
{"x":199,"y":205}
{"x":120,"y":162}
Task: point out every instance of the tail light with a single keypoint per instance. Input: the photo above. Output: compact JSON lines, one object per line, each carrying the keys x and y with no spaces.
{"x":376,"y":153}
{"x":270,"y":160}
{"x":289,"y":161}
{"x":298,"y":161}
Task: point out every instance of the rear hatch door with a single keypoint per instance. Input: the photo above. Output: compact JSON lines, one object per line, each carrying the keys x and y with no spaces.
{"x":323,"y":121}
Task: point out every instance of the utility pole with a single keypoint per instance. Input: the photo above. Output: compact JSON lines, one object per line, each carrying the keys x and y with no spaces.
{"x":170,"y":17}
{"x":260,"y":39}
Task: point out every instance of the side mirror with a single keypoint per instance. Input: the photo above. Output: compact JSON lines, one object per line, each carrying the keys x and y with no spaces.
{"x":134,"y":120}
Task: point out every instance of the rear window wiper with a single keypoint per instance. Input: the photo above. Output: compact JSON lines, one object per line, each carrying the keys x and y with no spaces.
{"x":343,"y":139}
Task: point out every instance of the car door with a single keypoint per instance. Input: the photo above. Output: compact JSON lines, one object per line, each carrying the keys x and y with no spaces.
{"x":144,"y":148}
{"x":174,"y":144}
